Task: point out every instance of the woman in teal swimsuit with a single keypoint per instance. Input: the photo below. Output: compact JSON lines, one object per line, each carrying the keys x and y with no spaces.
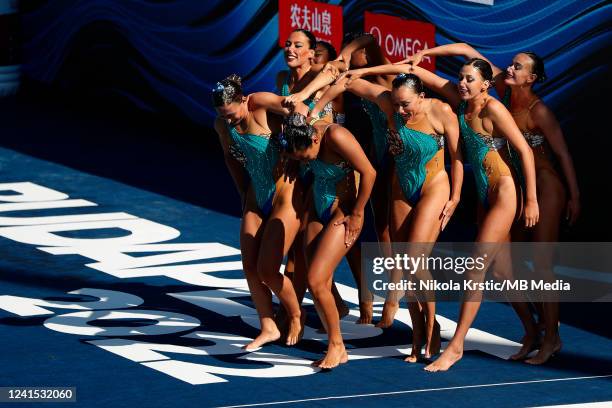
{"x":486,"y":127}
{"x":422,"y":198}
{"x":545,"y":137}
{"x":335,"y":217}
{"x":362,"y":50}
{"x":299,"y":56}
{"x":270,"y":220}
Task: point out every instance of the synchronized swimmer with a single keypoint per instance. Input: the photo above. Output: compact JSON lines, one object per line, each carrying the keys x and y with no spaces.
{"x":305,"y":181}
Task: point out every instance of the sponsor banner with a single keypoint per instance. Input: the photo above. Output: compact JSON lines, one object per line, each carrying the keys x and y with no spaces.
{"x":399,"y":38}
{"x":323,"y":20}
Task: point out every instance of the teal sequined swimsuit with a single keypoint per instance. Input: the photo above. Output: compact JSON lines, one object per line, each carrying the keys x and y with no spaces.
{"x":326,"y":178}
{"x":259,"y":156}
{"x":477,"y":146}
{"x":418,"y":149}
{"x":304,"y":172}
{"x":379,"y":129}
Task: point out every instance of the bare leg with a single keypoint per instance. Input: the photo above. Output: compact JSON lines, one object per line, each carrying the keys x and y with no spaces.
{"x":551,"y":199}
{"x":502,"y":269}
{"x":423,"y":232}
{"x":311,"y":240}
{"x":327,"y":256}
{"x":397,"y":231}
{"x":278,"y":236}
{"x":365,"y":296}
{"x":250,"y":238}
{"x":494,"y":229}
{"x":299,"y":247}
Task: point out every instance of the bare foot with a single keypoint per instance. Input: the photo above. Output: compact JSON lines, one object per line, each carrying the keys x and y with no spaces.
{"x":547,"y":350}
{"x":296,"y":328}
{"x":266,"y":336}
{"x":432,"y":346}
{"x":450,"y":356}
{"x":365,"y":313}
{"x":418,"y":325}
{"x":336,"y":355}
{"x":388,"y":315}
{"x":530,"y":342}
{"x":282,"y":321}
{"x":415,"y":355}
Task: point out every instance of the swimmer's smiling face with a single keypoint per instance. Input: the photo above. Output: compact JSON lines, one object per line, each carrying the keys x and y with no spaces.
{"x":297,"y":50}
{"x":471,"y":83}
{"x":520,"y":72}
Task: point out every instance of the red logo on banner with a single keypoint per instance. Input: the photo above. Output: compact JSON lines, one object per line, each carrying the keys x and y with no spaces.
{"x":323,"y":20}
{"x":399,"y":38}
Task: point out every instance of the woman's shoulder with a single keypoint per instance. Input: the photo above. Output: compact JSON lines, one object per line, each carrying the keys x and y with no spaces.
{"x":440,"y":108}
{"x":494,"y":107}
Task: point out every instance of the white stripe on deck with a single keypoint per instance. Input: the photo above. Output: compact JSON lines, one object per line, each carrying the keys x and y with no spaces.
{"x":383,"y":394}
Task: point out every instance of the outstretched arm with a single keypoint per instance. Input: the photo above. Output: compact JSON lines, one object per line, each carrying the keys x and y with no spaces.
{"x":273,"y":103}
{"x":461,"y":50}
{"x":372,"y":92}
{"x":328,"y":73}
{"x":431,"y":80}
{"x":360,"y":88}
{"x":438,"y":84}
{"x":344,"y":144}
{"x":374,"y":53}
{"x":504,"y":125}
{"x":545,"y":119}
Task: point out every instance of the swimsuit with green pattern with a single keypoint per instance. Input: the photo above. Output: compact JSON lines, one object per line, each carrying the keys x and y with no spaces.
{"x":259,"y":155}
{"x":418,"y":149}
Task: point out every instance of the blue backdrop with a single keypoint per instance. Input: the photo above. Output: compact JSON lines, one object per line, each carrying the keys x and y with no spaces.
{"x":165,"y":55}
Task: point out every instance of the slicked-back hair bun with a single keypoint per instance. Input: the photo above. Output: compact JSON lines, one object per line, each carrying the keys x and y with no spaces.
{"x":297,"y":133}
{"x":227,"y":91}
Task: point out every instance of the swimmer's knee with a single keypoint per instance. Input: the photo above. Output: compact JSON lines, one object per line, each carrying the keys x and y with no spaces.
{"x":316,"y":286}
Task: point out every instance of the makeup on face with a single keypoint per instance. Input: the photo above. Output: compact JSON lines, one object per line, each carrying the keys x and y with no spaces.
{"x":470,"y":82}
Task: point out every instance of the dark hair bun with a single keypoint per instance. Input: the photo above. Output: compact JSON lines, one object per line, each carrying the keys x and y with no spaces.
{"x":227,"y":91}
{"x":483,"y":67}
{"x":537,"y":66}
{"x":297,"y":133}
{"x":410,"y":81}
{"x":235,"y":78}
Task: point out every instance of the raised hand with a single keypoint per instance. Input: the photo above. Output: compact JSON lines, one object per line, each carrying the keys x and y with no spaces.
{"x":414,"y":59}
